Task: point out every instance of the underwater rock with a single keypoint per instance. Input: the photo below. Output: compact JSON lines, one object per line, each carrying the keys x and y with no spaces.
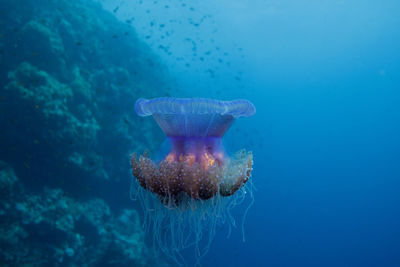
{"x":68,"y":77}
{"x":8,"y":180}
{"x":50,"y":99}
{"x":128,"y":240}
{"x":47,"y":111}
{"x":63,"y":73}
{"x":40,"y":41}
{"x":52,"y":228}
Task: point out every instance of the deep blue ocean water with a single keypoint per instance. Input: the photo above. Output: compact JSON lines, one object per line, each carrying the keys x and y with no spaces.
{"x":325,"y":79}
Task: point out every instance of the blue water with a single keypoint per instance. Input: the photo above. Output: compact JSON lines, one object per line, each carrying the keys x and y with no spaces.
{"x":325,"y":79}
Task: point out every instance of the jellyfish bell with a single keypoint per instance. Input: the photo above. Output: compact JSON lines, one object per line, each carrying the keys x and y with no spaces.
{"x":195,"y":177}
{"x":197,"y":162}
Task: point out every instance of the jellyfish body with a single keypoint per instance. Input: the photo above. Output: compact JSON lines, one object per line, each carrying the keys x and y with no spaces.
{"x":196,"y":169}
{"x":197,"y":163}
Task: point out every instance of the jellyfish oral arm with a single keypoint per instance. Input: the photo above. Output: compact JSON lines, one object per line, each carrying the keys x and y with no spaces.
{"x":204,"y":150}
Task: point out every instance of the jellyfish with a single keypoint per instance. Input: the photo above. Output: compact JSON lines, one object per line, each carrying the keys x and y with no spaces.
{"x":194,"y":186}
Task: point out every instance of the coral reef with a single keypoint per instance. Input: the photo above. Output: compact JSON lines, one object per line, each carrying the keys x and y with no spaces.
{"x":69,"y":75}
{"x":66,"y":73}
{"x":52,"y":228}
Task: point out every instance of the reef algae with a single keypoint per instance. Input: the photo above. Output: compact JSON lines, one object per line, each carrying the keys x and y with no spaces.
{"x":67,"y":69}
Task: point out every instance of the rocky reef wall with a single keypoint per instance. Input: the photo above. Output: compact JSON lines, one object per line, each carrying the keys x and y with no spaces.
{"x":69,"y":76}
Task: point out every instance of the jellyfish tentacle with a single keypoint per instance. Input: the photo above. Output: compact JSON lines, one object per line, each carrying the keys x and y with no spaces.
{"x":196,"y":184}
